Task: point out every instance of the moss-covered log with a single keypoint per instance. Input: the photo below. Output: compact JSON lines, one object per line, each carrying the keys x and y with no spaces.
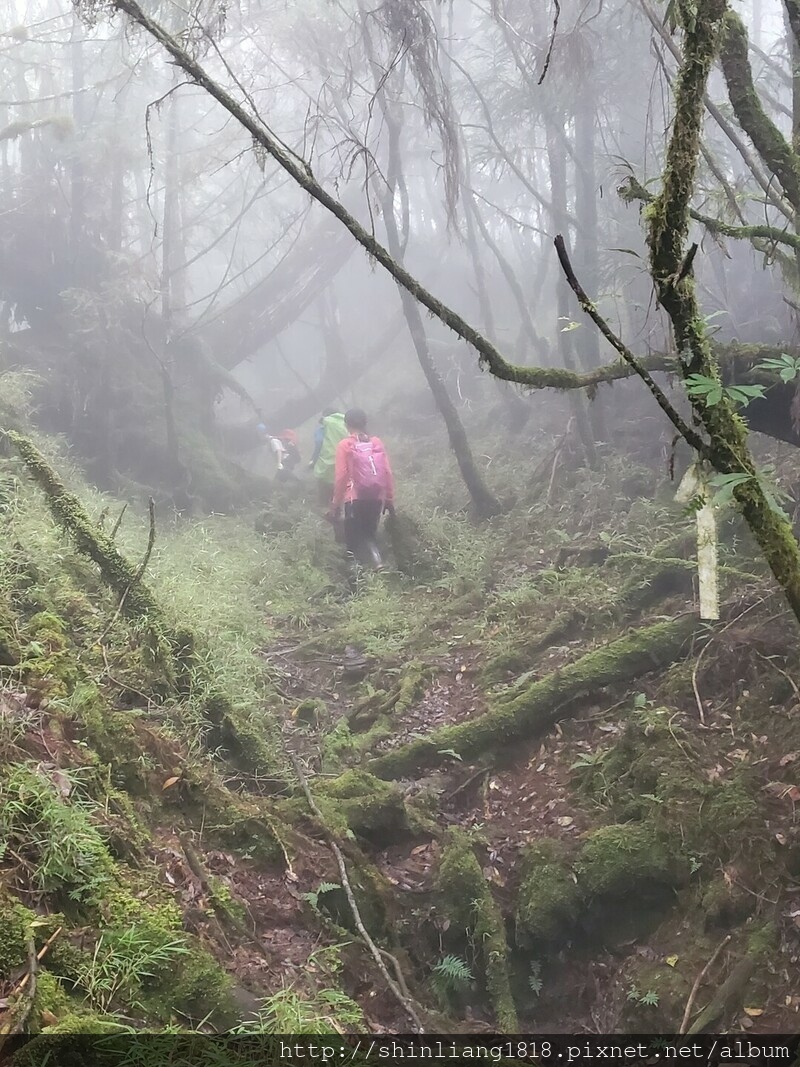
{"x":519,"y":714}
{"x":468,"y":903}
{"x":117,"y":572}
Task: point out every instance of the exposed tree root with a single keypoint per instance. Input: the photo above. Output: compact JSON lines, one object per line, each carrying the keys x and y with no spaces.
{"x":730,"y":994}
{"x":117,"y":572}
{"x":470,"y":903}
{"x":369,"y":711}
{"x":520,"y":714}
{"x":397,"y":989}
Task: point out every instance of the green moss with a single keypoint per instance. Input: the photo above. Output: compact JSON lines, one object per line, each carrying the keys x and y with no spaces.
{"x":201,"y":989}
{"x":371,"y":809}
{"x":338,"y":747}
{"x":15,"y":923}
{"x":619,"y":860}
{"x":112,"y":736}
{"x":245,"y":737}
{"x":245,"y":826}
{"x":467,"y":901}
{"x":67,"y":961}
{"x":68,"y":512}
{"x":48,"y":663}
{"x":158,"y":917}
{"x":724,"y":905}
{"x":765,"y":135}
{"x":225,"y":903}
{"x":548,"y":899}
{"x":671,"y":987}
{"x":51,"y":997}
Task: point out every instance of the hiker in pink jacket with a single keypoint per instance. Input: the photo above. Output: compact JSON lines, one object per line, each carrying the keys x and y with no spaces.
{"x":364,"y":486}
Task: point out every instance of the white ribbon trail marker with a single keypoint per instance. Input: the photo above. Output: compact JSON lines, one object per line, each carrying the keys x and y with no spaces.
{"x":695,"y":484}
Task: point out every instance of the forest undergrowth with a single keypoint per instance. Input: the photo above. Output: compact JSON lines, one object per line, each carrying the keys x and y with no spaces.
{"x":557,"y":794}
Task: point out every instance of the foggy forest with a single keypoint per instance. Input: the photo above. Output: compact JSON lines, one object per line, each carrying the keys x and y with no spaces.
{"x":400,"y":497}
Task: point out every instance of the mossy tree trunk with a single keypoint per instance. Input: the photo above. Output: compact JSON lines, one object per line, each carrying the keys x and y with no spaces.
{"x":669,"y":224}
{"x":527,"y":710}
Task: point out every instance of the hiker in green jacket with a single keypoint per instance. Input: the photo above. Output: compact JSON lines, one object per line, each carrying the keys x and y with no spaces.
{"x":330,"y":431}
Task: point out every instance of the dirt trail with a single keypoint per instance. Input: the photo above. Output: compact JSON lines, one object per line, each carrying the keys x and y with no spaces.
{"x":534,"y":796}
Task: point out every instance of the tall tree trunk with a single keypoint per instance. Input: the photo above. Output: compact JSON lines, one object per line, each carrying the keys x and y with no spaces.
{"x":77,"y":216}
{"x":558,"y":185}
{"x":115,"y":223}
{"x":586,"y":236}
{"x":483,"y":500}
{"x":171,"y":286}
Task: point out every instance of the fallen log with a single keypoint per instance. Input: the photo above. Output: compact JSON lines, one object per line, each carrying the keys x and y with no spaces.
{"x":518,"y":714}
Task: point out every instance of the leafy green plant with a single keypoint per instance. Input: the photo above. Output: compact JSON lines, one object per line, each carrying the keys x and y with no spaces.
{"x":712,"y":391}
{"x":46,"y":821}
{"x":649,"y":999}
{"x":786,"y":367}
{"x":322,"y":888}
{"x":535,"y":978}
{"x":725,"y":484}
{"x":451,"y":974}
{"x":326,"y":1011}
{"x":589,"y":759}
{"x":122,"y":963}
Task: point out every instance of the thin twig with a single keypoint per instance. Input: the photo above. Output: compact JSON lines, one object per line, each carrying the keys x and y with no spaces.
{"x":118,"y":523}
{"x":140,"y":572}
{"x":697,"y":982}
{"x":373,"y":948}
{"x":786,"y":675}
{"x":151,"y":540}
{"x":697,"y":698}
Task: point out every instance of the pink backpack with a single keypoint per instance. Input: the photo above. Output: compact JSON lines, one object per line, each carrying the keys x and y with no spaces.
{"x":370,"y":472}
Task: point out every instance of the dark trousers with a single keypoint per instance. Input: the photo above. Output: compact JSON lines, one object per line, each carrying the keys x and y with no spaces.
{"x":361,"y":518}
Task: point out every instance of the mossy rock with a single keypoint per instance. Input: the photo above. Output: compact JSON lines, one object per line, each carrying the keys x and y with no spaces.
{"x":244,"y":737}
{"x":548,"y":900}
{"x":373,"y":895}
{"x":372,"y":809}
{"x":246,"y":829}
{"x":201,"y":990}
{"x":623,"y":860}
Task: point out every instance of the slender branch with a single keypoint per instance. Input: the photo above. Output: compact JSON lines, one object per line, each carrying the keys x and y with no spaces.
{"x":118,"y":523}
{"x":375,"y":952}
{"x":688,"y":434}
{"x":303,"y":175}
{"x":690,"y":1002}
{"x":634,"y":190}
{"x":151,"y":540}
{"x":549,"y":55}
